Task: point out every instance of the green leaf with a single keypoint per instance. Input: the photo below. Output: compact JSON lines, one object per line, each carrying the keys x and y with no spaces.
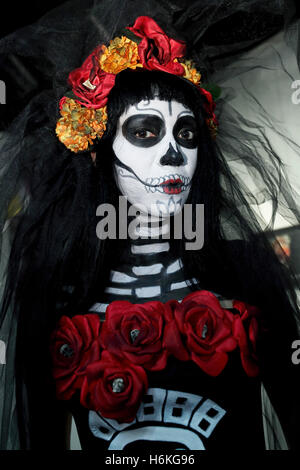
{"x":130,"y":35}
{"x":70,"y":94}
{"x":214,"y":89}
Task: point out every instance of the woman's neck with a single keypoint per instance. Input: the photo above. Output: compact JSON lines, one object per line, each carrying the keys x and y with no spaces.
{"x":146,"y":268}
{"x":144,"y":227}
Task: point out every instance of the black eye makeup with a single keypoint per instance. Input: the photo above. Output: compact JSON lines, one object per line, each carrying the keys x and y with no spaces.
{"x":185,"y":132}
{"x":144,"y":130}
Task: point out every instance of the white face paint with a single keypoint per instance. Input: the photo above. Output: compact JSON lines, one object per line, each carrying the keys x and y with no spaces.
{"x":156,"y":148}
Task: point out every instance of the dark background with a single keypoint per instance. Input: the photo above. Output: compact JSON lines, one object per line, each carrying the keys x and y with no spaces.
{"x":16,"y":14}
{"x":22,"y":87}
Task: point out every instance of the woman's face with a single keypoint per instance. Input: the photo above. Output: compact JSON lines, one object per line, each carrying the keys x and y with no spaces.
{"x":156,"y":146}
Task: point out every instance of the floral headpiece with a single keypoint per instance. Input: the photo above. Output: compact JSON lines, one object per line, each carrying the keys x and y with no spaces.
{"x":145,"y":45}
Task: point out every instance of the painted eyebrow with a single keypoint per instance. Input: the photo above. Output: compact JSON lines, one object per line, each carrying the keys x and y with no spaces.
{"x":149,"y":109}
{"x":187,"y":112}
{"x":144,"y":117}
{"x":182,"y":113}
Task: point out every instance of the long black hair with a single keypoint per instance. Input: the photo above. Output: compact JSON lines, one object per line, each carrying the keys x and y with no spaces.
{"x":59,"y":266}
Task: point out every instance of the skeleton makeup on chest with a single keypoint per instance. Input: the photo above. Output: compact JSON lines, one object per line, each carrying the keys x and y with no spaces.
{"x":156,"y":152}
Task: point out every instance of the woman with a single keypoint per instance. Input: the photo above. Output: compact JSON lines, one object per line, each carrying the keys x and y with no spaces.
{"x":204,"y":389}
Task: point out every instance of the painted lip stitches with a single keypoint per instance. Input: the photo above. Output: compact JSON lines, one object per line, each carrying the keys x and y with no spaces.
{"x":170,"y":184}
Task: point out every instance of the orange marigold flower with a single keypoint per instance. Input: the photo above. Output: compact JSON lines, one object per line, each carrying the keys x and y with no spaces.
{"x":121,"y":54}
{"x":190,"y":73}
{"x":79,"y":126}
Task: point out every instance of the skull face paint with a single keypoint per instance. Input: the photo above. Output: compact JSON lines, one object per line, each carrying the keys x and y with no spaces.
{"x":156,"y":153}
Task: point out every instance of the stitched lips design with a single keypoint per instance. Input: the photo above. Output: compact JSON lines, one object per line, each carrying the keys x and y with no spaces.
{"x":172,"y":186}
{"x":168,"y":184}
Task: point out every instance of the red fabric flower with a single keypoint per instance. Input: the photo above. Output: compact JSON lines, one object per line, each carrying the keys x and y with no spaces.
{"x":91,"y":84}
{"x":245,"y":330}
{"x":206,"y":332}
{"x":156,"y":50}
{"x":74,"y":345}
{"x":62,"y":102}
{"x":135,"y":332}
{"x":114,"y":388}
{"x":173,"y":340}
{"x":210,"y":105}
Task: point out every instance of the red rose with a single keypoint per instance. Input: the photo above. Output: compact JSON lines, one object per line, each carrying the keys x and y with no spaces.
{"x":91,"y":84}
{"x":173,"y":340}
{"x":156,"y":50}
{"x":245,"y":330}
{"x":135,"y":331}
{"x":206,"y":332}
{"x":74,"y":345}
{"x":114,"y":388}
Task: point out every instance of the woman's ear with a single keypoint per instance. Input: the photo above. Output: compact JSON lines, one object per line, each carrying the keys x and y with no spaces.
{"x":93,"y":156}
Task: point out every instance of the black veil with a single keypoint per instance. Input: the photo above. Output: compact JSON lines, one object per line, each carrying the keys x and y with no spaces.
{"x":239,"y":47}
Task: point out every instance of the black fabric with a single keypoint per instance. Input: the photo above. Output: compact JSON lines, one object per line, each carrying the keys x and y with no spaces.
{"x":240,"y":428}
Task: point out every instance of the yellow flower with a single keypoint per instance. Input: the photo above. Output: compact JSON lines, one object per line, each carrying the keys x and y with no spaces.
{"x":79,"y":126}
{"x":121,"y":54}
{"x":190,"y":73}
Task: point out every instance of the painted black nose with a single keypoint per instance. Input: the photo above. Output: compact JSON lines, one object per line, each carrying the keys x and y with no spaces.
{"x":172,"y":157}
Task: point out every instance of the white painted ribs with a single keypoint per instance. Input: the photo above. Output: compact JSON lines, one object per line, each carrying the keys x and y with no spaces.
{"x":147,"y":270}
{"x":150,"y":248}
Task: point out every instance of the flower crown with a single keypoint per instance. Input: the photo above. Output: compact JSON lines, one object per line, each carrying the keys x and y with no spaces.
{"x":144,"y":45}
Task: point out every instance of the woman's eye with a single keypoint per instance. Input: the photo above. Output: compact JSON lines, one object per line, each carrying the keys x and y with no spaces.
{"x":144,"y":134}
{"x":186,"y":134}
